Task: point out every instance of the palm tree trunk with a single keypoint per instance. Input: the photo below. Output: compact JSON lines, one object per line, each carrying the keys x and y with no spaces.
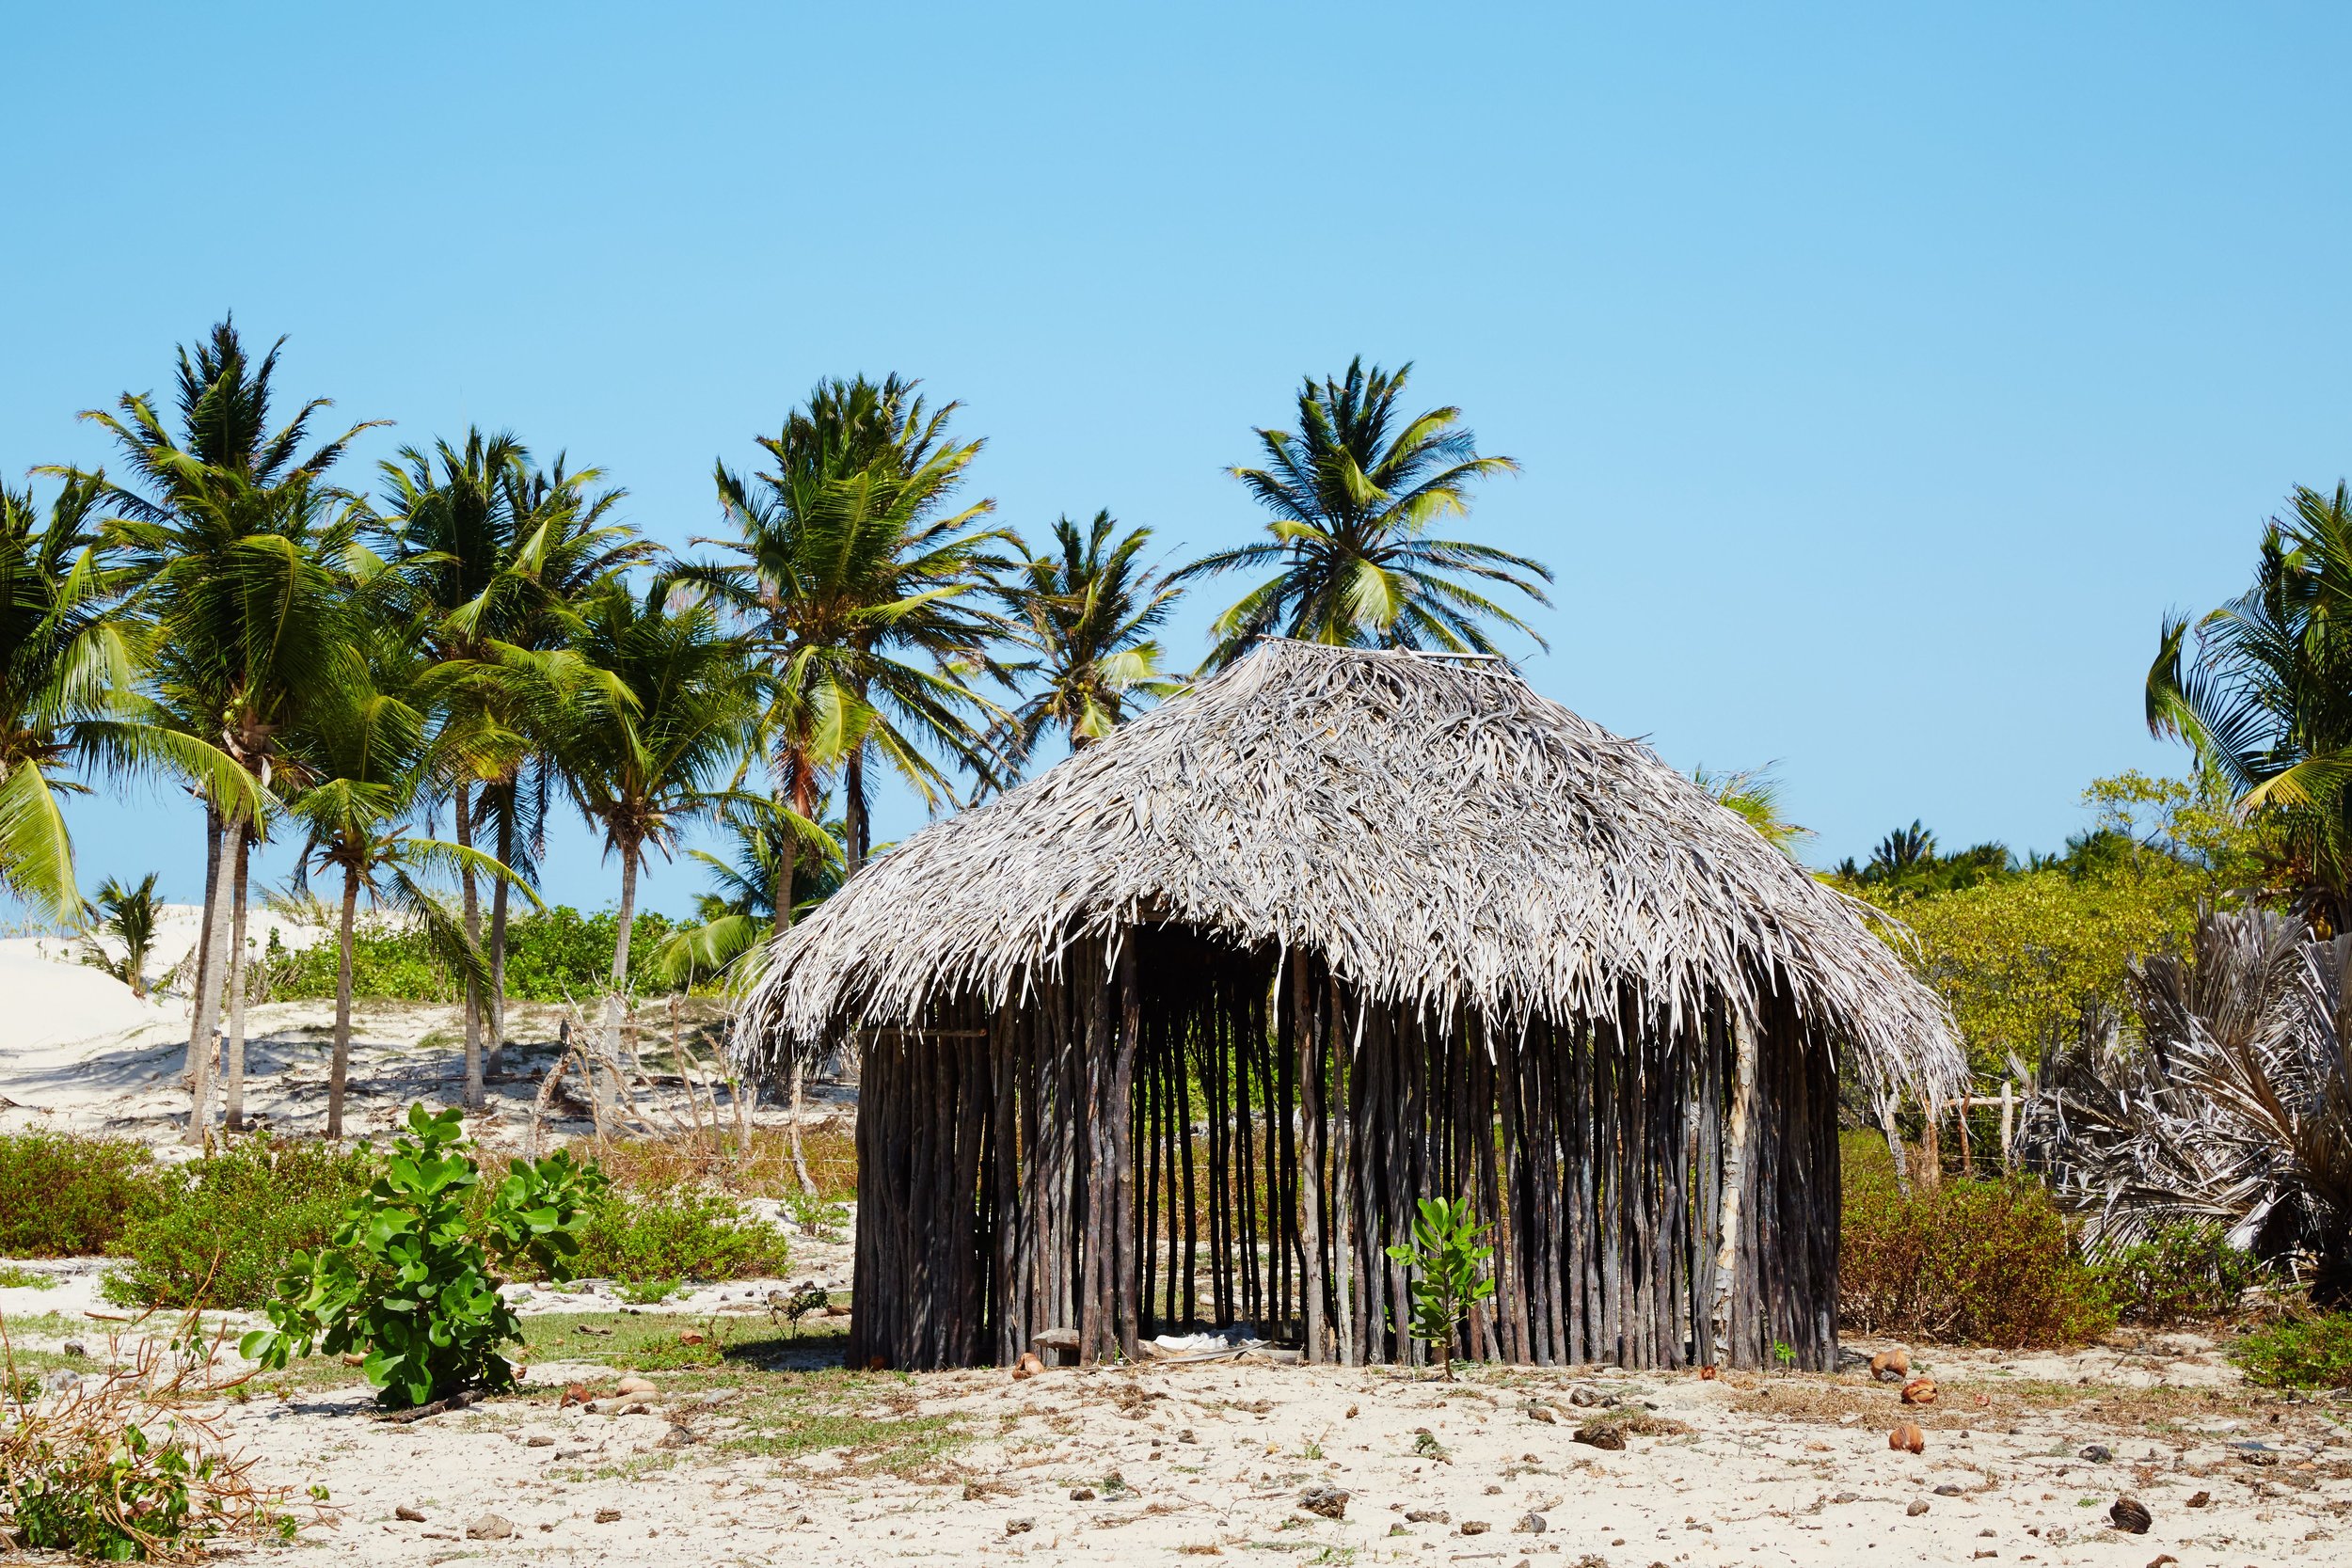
{"x":787,"y":864}
{"x":612,"y":1003}
{"x":498,"y":933}
{"x":853,"y":812}
{"x":208,"y":994}
{"x":234,"y":1083}
{"x":473,"y":934}
{"x":340,"y":1071}
{"x":199,"y":960}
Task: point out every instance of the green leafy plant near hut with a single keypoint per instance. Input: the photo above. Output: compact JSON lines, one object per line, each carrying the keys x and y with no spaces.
{"x":408,"y":1277}
{"x":1449,"y":1268}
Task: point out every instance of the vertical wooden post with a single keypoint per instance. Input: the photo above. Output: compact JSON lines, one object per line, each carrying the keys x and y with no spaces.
{"x":2009,"y":1127}
{"x":1309,"y":1080}
{"x":1735,"y":1172}
{"x":1120,"y":1180}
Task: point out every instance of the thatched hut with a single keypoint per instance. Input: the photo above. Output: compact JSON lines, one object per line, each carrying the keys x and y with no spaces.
{"x":1179,"y":1032}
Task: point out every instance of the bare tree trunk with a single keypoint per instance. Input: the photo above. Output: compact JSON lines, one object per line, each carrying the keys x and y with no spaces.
{"x":612,"y":1003}
{"x":471,"y":897}
{"x":208,"y":994}
{"x":1735,"y":1174}
{"x":2009,"y":1127}
{"x":196,"y":966}
{"x":233,"y":1105}
{"x":340,"y":1072}
{"x":1895,"y":1145}
{"x":498,"y":933}
{"x":853,"y":812}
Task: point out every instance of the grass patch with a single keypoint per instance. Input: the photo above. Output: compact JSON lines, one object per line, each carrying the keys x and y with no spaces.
{"x":678,"y":1234}
{"x":15,"y":1279}
{"x":66,"y":1195}
{"x":650,"y":1342}
{"x":762,"y":1169}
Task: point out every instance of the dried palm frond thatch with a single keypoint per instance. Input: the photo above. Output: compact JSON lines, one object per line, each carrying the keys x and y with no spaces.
{"x":1437,"y":832}
{"x":2228,"y":1101}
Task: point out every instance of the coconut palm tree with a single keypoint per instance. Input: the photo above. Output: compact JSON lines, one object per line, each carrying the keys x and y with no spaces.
{"x":233,"y":546}
{"x":1755,"y":794}
{"x":2267,"y":696}
{"x":366,"y":763}
{"x":62,"y":650}
{"x":485,"y":557}
{"x":250,"y":596}
{"x":69,"y":656}
{"x":1083,"y":611}
{"x":736,"y":918}
{"x":1354,"y":491}
{"x":861,"y":591}
{"x":644,"y":752}
{"x":128,"y":914}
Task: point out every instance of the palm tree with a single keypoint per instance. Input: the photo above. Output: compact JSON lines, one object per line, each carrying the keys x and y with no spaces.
{"x":367,"y":764}
{"x":486,"y":558}
{"x":1354,"y":491}
{"x":234,"y":544}
{"x":1084,"y":612}
{"x":2267,"y":698}
{"x":643,"y":753}
{"x":62,"y":650}
{"x":128,"y":915}
{"x":1755,"y":794}
{"x":859,"y":590}
{"x":736,"y":919}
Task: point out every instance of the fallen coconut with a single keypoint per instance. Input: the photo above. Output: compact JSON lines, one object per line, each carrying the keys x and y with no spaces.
{"x":1920,"y":1390}
{"x":1908,"y":1438}
{"x":1891,"y":1366}
{"x":2130,"y":1514}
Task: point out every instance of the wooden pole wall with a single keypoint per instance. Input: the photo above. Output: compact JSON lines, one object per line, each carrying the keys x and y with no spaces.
{"x":1168,"y":1134}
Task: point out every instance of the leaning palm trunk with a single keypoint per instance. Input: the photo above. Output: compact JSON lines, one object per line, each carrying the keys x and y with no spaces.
{"x":233,"y":1079}
{"x":2233,"y":1106}
{"x":208,"y":986}
{"x":339,"y":1074}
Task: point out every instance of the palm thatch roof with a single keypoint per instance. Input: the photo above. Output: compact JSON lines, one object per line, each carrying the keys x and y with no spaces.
{"x":1436,"y":831}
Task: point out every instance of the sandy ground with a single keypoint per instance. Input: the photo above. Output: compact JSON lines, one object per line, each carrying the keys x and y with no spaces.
{"x":766,"y":1451}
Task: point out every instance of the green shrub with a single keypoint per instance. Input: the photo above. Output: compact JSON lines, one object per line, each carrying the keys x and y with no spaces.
{"x":2186,"y":1271}
{"x":2309,"y":1352}
{"x":64,"y":1196}
{"x":678,"y":1234}
{"x":406,"y":1276}
{"x":222,"y":1228}
{"x":553,"y":955}
{"x":1967,"y":1262}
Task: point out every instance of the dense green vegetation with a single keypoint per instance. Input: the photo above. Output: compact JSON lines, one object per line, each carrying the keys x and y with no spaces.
{"x":2022,"y":948}
{"x":554,"y":956}
{"x":66,"y":1197}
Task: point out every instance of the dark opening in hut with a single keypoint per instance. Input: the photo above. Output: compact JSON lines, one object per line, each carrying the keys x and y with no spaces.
{"x":1177,"y":1033}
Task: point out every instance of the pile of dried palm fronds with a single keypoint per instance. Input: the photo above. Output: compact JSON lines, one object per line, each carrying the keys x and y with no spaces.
{"x":128,"y":1460}
{"x":2226,"y":1098}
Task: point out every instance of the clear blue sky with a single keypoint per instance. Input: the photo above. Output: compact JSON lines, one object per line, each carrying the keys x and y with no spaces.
{"x":1880,"y":378}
